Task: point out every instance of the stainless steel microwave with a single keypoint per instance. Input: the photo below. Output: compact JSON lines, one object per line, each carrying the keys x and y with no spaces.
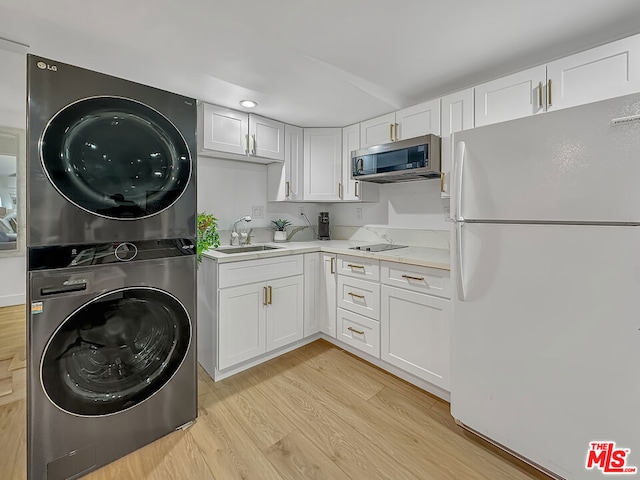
{"x":413,"y":159}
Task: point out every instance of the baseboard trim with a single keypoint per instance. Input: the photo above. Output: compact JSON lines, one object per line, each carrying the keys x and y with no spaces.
{"x":10,"y":300}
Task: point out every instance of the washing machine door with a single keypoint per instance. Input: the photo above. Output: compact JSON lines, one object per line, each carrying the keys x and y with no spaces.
{"x":115,"y":157}
{"x":115,"y":351}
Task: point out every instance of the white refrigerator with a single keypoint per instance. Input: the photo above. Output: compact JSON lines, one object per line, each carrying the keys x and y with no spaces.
{"x":546,"y":262}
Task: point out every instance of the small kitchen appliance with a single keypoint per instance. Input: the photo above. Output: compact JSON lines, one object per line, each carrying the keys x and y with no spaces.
{"x":324,"y":230}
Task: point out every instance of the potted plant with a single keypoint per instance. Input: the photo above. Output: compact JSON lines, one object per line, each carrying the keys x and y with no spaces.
{"x":207,"y":233}
{"x":280,"y":227}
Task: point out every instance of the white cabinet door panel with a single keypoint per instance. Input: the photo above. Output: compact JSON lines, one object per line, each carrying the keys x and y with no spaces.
{"x":416,"y":334}
{"x":604,"y":72}
{"x":224,"y":130}
{"x":312,"y":293}
{"x":267,"y":137}
{"x":510,"y":97}
{"x":350,"y":142}
{"x":418,"y":120}
{"x":322,"y":163}
{"x":241,"y":325}
{"x":327,"y":294}
{"x":457,"y":115}
{"x":285,"y":316}
{"x":377,"y":130}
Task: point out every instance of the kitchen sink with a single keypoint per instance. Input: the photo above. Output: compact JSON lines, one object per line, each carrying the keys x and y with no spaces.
{"x":245,"y":249}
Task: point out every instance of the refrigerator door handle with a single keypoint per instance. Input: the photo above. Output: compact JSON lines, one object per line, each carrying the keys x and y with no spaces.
{"x":459,"y":277}
{"x":459,"y":169}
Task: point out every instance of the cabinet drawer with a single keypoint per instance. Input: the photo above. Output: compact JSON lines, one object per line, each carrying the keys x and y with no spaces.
{"x":358,"y":267}
{"x":419,"y":279}
{"x":359,"y":332}
{"x":359,"y":296}
{"x":252,"y":271}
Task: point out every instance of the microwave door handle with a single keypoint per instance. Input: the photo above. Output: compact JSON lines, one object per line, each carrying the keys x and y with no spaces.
{"x":459,"y":168}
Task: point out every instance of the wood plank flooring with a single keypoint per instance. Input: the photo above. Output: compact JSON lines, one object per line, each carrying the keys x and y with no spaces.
{"x":315,"y":413}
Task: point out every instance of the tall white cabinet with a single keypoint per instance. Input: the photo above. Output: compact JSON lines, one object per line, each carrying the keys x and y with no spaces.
{"x":457,"y":115}
{"x":322,"y":164}
{"x":285,"y":181}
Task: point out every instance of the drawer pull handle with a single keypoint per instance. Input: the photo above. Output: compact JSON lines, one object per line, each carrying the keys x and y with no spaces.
{"x":360,"y":332}
{"x":357,"y":295}
{"x":355,"y":266}
{"x":409,"y":277}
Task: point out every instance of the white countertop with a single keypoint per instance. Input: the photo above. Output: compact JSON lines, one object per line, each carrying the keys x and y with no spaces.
{"x":423,"y":256}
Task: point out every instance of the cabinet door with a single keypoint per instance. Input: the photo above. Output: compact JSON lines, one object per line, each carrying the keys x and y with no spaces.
{"x":415,"y":334}
{"x":457,"y":115}
{"x":604,"y":72}
{"x":350,"y":141}
{"x":241,"y":326}
{"x":327,"y":295}
{"x":224,"y":130}
{"x":418,"y":120}
{"x":267,"y":138}
{"x":377,"y":130}
{"x":312,"y":314}
{"x":514,"y":96}
{"x":285,"y":315}
{"x":322,"y":163}
{"x":284,"y":180}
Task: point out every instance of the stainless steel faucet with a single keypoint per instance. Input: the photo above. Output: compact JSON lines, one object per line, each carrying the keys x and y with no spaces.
{"x":239,"y":238}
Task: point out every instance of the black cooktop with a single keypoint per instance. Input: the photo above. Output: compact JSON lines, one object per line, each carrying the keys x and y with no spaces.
{"x":378,"y":247}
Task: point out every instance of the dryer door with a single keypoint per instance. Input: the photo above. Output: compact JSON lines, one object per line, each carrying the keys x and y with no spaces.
{"x":115,"y":157}
{"x":115,"y":351}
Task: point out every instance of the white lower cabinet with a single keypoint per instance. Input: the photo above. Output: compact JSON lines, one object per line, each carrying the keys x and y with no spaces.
{"x":258,"y":317}
{"x":359,"y":331}
{"x":415,"y":334}
{"x":327,"y":294}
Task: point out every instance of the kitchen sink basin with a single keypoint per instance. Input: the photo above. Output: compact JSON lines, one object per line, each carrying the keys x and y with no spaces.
{"x":245,"y":249}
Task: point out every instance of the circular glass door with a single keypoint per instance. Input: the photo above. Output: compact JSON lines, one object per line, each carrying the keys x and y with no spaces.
{"x":115,"y":351}
{"x":115,"y":157}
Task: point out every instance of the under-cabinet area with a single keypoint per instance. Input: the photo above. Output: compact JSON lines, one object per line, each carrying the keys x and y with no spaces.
{"x":395,"y":315}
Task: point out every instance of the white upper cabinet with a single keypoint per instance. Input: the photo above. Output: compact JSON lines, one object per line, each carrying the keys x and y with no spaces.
{"x":510,"y":97}
{"x":231,"y":134}
{"x":223,"y":130}
{"x":350,"y":141}
{"x":284,"y":180}
{"x":410,"y":122}
{"x":377,"y":130}
{"x":267,"y":138}
{"x":604,"y":72}
{"x":457,"y":115}
{"x":418,"y":120}
{"x":322,"y":167}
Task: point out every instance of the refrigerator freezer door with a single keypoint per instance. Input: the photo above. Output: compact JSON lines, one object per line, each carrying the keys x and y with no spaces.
{"x":546,"y":344}
{"x":568,"y":165}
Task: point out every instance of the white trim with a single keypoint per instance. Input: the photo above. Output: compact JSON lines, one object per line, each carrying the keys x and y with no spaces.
{"x":10,"y":300}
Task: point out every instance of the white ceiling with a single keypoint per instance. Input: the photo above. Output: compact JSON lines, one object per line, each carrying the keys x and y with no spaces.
{"x":314,"y":63}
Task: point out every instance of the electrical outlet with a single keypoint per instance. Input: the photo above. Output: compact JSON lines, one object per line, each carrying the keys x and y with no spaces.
{"x":257,"y":212}
{"x":358,"y":213}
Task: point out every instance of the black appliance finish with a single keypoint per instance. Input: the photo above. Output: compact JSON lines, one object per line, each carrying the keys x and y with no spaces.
{"x":378,"y":247}
{"x":111,"y":360}
{"x":108,"y":159}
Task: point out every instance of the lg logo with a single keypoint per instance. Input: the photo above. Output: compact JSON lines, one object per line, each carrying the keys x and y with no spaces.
{"x":44,"y":66}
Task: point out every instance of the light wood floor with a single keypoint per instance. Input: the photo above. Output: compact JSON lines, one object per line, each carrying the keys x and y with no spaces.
{"x":315,"y":413}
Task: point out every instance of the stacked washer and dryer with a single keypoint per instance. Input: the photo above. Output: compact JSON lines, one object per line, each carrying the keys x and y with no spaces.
{"x":111,"y":267}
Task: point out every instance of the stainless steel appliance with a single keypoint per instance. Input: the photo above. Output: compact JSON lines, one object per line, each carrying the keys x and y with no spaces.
{"x":378,"y":247}
{"x":545,"y":342}
{"x":111,"y":358}
{"x":108,"y":159}
{"x":413,"y":159}
{"x":324,"y":229}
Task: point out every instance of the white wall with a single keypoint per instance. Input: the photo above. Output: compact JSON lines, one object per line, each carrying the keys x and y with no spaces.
{"x":13,"y":280}
{"x":402,"y":205}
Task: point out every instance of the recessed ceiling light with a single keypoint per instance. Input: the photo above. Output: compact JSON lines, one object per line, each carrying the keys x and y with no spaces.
{"x":248,"y":103}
